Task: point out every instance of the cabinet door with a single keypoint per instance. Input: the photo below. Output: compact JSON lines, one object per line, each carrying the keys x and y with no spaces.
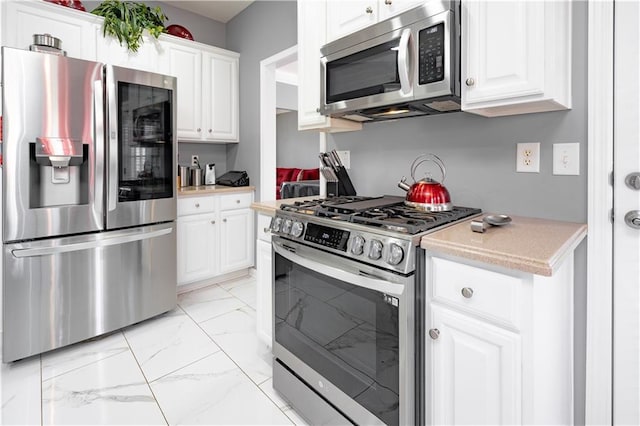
{"x":264,"y":288}
{"x":389,"y":8}
{"x":196,"y":235}
{"x":236,"y":240}
{"x":73,"y":28}
{"x":345,"y":17}
{"x":220,"y":97}
{"x":312,"y":35}
{"x":473,"y":371}
{"x":185,"y":63}
{"x":109,"y":50}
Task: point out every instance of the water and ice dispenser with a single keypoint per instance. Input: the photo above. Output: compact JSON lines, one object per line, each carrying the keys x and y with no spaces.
{"x":59,"y":174}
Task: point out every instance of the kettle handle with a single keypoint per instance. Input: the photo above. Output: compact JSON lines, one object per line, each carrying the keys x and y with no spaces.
{"x":428,"y":157}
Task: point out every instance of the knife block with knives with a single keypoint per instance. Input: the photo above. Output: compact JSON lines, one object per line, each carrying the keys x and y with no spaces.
{"x":338,"y":181}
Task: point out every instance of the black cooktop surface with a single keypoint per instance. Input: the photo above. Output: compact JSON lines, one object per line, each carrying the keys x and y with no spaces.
{"x":388,"y":212}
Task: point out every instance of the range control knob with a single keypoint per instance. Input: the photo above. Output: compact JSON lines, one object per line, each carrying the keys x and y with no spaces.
{"x":357,"y":245}
{"x":375,"y":251}
{"x":286,"y":228}
{"x":396,"y":254}
{"x":296,"y":229}
{"x":276,"y":224}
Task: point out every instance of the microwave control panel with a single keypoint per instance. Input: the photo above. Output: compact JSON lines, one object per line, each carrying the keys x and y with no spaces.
{"x":431,"y":54}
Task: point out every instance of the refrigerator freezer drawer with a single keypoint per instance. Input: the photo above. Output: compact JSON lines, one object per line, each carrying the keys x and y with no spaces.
{"x":64,"y":290}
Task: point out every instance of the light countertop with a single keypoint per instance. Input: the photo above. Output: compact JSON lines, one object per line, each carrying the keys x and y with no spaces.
{"x":527,"y":244}
{"x":187,"y":191}
{"x":270,"y":207}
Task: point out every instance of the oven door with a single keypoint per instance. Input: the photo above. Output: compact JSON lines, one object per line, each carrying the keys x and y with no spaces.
{"x":347,"y":330}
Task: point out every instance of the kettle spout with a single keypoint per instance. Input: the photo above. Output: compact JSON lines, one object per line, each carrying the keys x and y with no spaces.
{"x":403,"y":184}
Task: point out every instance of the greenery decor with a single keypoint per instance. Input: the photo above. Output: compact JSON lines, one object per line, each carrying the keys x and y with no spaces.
{"x":125,"y":20}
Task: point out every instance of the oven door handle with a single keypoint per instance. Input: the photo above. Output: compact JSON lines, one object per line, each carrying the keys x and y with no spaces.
{"x":360,"y":279}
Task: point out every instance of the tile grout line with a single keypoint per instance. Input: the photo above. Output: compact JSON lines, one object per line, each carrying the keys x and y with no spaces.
{"x":145,"y":378}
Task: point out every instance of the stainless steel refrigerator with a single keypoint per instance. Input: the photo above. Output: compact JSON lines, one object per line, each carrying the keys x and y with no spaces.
{"x":89,"y":199}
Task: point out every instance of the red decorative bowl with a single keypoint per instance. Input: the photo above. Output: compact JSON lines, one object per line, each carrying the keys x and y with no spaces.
{"x":179,"y":31}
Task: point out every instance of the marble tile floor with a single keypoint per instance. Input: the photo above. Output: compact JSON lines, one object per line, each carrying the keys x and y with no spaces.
{"x":201,"y":363}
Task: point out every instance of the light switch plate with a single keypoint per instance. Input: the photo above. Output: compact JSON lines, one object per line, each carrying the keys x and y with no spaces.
{"x":566,"y":159}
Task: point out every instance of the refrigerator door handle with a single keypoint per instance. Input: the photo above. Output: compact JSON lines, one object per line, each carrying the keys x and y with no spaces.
{"x":112,"y":137}
{"x":110,"y":241}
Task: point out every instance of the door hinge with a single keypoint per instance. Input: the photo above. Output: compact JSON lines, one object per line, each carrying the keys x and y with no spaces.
{"x":611,"y":179}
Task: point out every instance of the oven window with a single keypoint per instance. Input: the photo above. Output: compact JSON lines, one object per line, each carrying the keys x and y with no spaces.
{"x":365,"y":73}
{"x":348,"y":334}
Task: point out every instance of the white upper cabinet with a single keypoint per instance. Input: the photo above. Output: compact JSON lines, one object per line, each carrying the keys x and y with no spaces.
{"x":345,"y":17}
{"x":220,"y":90}
{"x":76,"y":30}
{"x":516,"y":57}
{"x":208,"y":104}
{"x":185,"y":63}
{"x":312,"y":35}
{"x":109,"y":51}
{"x":389,"y":8}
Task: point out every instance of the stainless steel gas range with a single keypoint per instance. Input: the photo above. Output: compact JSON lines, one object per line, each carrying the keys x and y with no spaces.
{"x":348,"y":307}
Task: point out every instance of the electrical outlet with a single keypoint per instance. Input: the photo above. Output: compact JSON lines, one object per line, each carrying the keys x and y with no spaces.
{"x":195,"y":161}
{"x":345,"y":157}
{"x":528,"y":157}
{"x":566,"y":159}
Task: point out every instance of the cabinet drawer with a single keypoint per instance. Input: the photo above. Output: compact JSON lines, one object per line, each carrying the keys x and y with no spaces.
{"x":235,"y":201}
{"x":487,"y":293}
{"x":195,"y":205}
{"x":264,"y":233}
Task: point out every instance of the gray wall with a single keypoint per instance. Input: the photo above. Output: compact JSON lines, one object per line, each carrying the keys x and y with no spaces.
{"x":294,"y":148}
{"x":258,"y":32}
{"x":479,"y":152}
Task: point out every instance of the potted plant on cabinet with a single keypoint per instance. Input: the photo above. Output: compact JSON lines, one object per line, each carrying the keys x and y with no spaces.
{"x":126,"y":20}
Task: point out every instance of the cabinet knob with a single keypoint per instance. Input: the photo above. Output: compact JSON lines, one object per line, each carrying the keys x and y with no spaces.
{"x":470,"y":81}
{"x":317,"y":109}
{"x":197,"y":205}
{"x":633,"y":180}
{"x":369,"y":9}
{"x":388,"y":2}
{"x":199,"y":129}
{"x":237,"y":201}
{"x":224,"y":220}
{"x":467,"y":292}
{"x":434,"y":333}
{"x":213,"y":222}
{"x":210,"y":130}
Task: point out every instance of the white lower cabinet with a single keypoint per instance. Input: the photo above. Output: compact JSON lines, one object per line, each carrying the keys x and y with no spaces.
{"x":499,"y":344}
{"x":215,"y":236}
{"x":476,"y":373}
{"x":196,"y":247}
{"x":264,"y":280}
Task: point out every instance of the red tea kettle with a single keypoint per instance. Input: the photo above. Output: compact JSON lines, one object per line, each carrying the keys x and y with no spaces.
{"x":427,"y":193}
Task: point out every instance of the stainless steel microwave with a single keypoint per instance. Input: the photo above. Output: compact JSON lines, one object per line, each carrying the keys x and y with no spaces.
{"x":405,"y":66}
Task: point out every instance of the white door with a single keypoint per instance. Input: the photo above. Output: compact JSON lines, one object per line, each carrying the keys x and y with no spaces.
{"x":626,"y":240}
{"x":196,"y":247}
{"x":220,"y":97}
{"x":345,"y":17}
{"x":475,"y":371}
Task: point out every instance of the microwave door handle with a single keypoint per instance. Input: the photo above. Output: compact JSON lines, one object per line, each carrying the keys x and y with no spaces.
{"x":403,"y":59}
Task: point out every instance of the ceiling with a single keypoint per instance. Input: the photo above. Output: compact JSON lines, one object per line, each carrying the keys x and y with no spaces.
{"x":221,"y":11}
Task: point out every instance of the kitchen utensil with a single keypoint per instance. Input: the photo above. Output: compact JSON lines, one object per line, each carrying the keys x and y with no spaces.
{"x":185,"y":175}
{"x":197,"y":176}
{"x":427,"y":193}
{"x":489,"y":221}
{"x":210,"y":174}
